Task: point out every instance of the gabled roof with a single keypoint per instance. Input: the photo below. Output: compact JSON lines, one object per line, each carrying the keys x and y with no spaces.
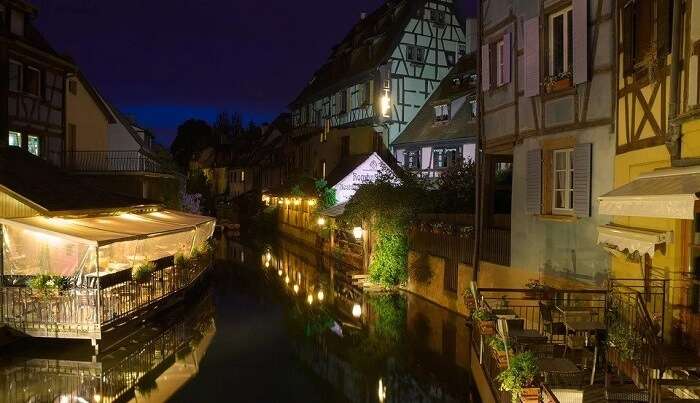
{"x":367,"y":46}
{"x":46,"y":188}
{"x":345,"y":167}
{"x":424,"y":129}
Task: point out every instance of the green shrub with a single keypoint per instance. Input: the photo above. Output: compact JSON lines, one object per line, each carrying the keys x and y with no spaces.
{"x":497,"y":343}
{"x":47,"y":285}
{"x":482,"y":314}
{"x":521,"y":374}
{"x":142,"y":273}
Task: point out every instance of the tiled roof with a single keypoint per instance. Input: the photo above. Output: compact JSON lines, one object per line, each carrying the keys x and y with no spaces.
{"x":424,"y":129}
{"x":368,"y":44}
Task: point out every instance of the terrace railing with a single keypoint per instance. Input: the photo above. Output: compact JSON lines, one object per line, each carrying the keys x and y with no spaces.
{"x":111,"y":161}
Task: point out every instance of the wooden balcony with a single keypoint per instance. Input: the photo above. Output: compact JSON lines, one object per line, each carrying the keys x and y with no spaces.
{"x":112,"y":162}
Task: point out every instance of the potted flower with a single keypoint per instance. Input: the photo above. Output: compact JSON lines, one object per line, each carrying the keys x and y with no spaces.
{"x":519,"y":378}
{"x":558,"y":82}
{"x":46,"y":286}
{"x":538,"y":290}
{"x":485,"y":320}
{"x":498,"y":346}
{"x":142,"y":273}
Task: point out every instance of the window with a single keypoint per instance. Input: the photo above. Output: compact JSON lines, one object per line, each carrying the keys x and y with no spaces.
{"x":15,"y":76}
{"x":242,"y":176}
{"x":415,"y":54}
{"x":341,"y":102}
{"x":638,"y":30}
{"x":411,"y":159}
{"x":73,"y":87}
{"x":437,"y":17}
{"x":450,"y":58}
{"x":473,"y":111}
{"x":31,"y":81}
{"x":33,"y":144}
{"x":442,"y":113}
{"x":560,"y":41}
{"x":15,"y":139}
{"x":323,"y":169}
{"x":461,"y":49}
{"x":446,"y":157}
{"x":563,"y":180}
{"x":500,"y":63}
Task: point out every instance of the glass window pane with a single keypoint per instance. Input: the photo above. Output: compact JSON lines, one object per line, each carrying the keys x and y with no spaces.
{"x":560,"y":160}
{"x":560,"y":181}
{"x":33,"y":145}
{"x":15,"y":139}
{"x":15,"y":76}
{"x":569,"y":41}
{"x":559,"y":199}
{"x":558,"y":44}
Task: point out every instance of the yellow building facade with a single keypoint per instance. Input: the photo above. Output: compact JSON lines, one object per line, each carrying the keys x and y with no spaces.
{"x":652,"y":236}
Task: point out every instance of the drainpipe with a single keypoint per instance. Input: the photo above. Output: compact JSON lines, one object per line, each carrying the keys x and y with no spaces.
{"x":476,"y":253}
{"x":673,"y":137}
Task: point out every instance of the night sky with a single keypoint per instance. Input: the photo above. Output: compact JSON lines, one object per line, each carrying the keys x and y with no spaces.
{"x":164,"y":61}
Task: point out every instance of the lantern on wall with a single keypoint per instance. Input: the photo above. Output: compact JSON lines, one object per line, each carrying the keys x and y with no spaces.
{"x":356,"y":310}
{"x":321,"y":221}
{"x":357,"y":233}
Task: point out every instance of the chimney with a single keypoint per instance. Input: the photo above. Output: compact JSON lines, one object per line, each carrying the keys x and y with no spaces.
{"x":363,"y":16}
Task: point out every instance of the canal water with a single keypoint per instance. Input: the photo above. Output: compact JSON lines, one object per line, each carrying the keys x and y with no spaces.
{"x":272,"y":322}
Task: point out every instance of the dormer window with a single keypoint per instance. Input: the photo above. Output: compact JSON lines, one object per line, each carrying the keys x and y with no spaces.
{"x":442,"y":113}
{"x":17,"y":23}
{"x":415,"y":54}
{"x":437,"y":17}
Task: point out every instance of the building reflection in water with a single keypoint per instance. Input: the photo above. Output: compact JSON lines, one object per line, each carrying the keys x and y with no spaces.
{"x":391,"y":347}
{"x":150,"y":362}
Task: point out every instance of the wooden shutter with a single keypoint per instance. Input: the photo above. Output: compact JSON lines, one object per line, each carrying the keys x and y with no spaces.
{"x":532,"y":57}
{"x":485,"y":68}
{"x":534,"y":181}
{"x":507,"y":48}
{"x":582,"y":179}
{"x":580,"y":41}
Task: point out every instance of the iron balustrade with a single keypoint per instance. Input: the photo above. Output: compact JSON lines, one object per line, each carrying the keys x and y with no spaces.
{"x":111,"y":161}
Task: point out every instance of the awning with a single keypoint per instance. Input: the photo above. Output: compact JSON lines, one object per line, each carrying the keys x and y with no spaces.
{"x":642,"y":241}
{"x":665,"y":193}
{"x":106,"y":230}
{"x":334,"y":211}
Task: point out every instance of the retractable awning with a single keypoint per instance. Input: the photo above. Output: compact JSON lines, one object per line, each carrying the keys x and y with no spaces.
{"x":334,"y":211}
{"x":665,"y":193}
{"x":99,"y":231}
{"x":642,"y":241}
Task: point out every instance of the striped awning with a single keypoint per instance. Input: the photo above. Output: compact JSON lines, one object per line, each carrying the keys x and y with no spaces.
{"x":632,"y":240}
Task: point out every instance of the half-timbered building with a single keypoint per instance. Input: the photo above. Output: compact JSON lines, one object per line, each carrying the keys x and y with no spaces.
{"x":444,"y":132}
{"x":653,"y":234}
{"x":375,"y":81}
{"x":547,"y":88}
{"x":32,"y":110}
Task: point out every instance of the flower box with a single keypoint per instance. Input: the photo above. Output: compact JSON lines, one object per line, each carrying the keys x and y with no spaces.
{"x":501,"y":358}
{"x":487,"y":327}
{"x":530,"y":395}
{"x":559,"y":85}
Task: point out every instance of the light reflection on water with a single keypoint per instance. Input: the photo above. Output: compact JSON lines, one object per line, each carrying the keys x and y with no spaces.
{"x":278,"y":323}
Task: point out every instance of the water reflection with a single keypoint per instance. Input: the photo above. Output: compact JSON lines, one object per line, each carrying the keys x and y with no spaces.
{"x":387,"y":347}
{"x":150,"y":362}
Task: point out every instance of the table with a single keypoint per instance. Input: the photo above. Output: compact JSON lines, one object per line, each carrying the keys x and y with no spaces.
{"x":552,"y":365}
{"x":504,"y":313}
{"x":586,"y":326}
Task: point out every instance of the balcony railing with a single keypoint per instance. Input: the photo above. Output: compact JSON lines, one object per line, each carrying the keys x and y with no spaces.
{"x":111,"y":161}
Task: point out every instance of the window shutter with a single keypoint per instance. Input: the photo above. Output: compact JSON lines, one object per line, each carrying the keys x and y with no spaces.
{"x":507,"y":48}
{"x":582,"y":179}
{"x":580,"y":41}
{"x":534,"y":181}
{"x":485,"y":78}
{"x":532,"y":57}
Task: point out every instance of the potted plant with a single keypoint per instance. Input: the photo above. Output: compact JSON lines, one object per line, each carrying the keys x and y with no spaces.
{"x":498,"y":346}
{"x":45,"y":285}
{"x":182,"y":263}
{"x":519,"y":378}
{"x":142,"y":273}
{"x":485,"y":320}
{"x":558,"y":82}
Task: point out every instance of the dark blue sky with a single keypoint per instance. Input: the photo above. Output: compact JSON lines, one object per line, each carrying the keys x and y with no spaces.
{"x":165,"y":61}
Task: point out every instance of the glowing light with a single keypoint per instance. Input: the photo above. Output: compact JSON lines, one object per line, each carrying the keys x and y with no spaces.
{"x":310,"y":299}
{"x":297,"y":202}
{"x":356,"y":310}
{"x":312,"y":202}
{"x":267,"y":264}
{"x":357,"y":233}
{"x":321,"y":221}
{"x":268,"y":256}
{"x":381,"y":391}
{"x":279,"y":272}
{"x":320,"y":295}
{"x":159,"y":215}
{"x":296,"y":288}
{"x":385,"y":103}
{"x":97,"y":398}
{"x":130,"y":217}
{"x":43,"y":237}
{"x":286,"y":279}
{"x":279,"y":202}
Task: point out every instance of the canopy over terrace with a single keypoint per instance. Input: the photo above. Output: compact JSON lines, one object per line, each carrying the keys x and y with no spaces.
{"x":76,"y":247}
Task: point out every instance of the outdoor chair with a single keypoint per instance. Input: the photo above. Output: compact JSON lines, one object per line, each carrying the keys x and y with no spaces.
{"x":566,"y":380}
{"x":521,"y":337}
{"x":545,"y":350}
{"x":550,"y":327}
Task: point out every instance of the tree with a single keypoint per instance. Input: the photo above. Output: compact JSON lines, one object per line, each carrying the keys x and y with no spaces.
{"x":456,"y":188}
{"x":193,"y":136}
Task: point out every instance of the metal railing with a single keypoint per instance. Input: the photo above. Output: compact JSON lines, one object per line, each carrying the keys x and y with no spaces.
{"x":111,"y":161}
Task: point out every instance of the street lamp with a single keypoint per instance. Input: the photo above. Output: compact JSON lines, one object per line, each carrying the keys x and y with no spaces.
{"x":320,"y":295}
{"x":321,"y":221}
{"x":356,"y":310}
